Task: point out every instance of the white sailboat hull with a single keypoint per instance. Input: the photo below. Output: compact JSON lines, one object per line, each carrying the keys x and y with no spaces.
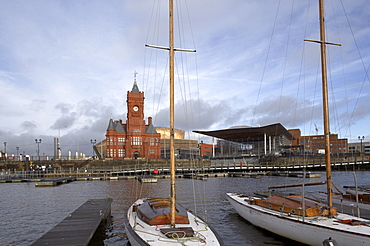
{"x":140,"y":233}
{"x":312,"y":231}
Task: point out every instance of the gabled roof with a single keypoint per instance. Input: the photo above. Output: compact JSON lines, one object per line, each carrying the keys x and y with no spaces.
{"x":111,"y":125}
{"x":150,"y":129}
{"x":135,"y":88}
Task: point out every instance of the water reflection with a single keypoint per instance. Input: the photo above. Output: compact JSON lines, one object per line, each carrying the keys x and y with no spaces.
{"x":29,"y":212}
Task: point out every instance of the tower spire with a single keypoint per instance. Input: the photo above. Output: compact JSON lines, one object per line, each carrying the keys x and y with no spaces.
{"x":135,"y":73}
{"x":135,"y":88}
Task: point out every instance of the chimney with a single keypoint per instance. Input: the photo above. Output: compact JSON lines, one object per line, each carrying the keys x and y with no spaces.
{"x":150,"y":120}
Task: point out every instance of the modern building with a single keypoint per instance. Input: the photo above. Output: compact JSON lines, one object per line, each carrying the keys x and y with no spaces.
{"x":250,"y":141}
{"x":316,"y":143}
{"x":133,"y":138}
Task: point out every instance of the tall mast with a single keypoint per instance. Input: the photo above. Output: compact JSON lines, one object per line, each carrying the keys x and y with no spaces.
{"x":325,"y":98}
{"x":172,"y":118}
{"x":325,"y":104}
{"x":172,"y":50}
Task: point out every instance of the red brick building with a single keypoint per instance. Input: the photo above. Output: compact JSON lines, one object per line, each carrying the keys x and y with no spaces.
{"x":134,"y":138}
{"x":206,"y":149}
{"x":316,"y":143}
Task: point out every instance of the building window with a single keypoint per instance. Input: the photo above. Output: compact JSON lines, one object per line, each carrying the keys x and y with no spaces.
{"x":121,"y":141}
{"x":151,"y":151}
{"x":136,"y":141}
{"x":111,"y":153}
{"x":121,"y":153}
{"x":152,"y":142}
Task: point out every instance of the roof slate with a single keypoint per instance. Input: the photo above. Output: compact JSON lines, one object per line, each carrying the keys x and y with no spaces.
{"x":119,"y":128}
{"x":135,"y":88}
{"x":150,"y":129}
{"x":111,"y":125}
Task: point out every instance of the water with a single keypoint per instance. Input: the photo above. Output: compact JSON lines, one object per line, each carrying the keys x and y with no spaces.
{"x":28,"y":212}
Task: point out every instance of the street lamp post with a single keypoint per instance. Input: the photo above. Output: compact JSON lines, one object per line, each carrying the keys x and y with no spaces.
{"x":38,"y":148}
{"x":5,"y":149}
{"x":361,"y":139}
{"x":93,"y":142}
{"x":17,"y":152}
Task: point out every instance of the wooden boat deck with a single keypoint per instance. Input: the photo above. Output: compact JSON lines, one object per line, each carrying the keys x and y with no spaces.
{"x":156,"y":211}
{"x":293,"y":205}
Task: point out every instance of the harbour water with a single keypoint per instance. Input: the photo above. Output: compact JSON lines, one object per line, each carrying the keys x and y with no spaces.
{"x":28,"y":212}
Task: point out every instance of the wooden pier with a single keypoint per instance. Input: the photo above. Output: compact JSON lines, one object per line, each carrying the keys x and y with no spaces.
{"x":80,"y":226}
{"x":54,"y":181}
{"x":296,"y":174}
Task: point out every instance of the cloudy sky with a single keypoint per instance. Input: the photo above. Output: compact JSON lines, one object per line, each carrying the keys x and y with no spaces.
{"x":66,"y":66}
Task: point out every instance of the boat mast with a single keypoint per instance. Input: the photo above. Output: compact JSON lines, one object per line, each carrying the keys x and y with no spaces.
{"x":172,"y":117}
{"x":325,"y":104}
{"x":172,"y":50}
{"x":325,"y":97}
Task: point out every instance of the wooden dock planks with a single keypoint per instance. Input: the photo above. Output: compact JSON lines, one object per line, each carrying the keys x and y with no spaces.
{"x":54,"y":181}
{"x":79,"y":227}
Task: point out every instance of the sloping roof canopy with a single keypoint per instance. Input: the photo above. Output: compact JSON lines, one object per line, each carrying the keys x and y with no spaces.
{"x":242,"y":134}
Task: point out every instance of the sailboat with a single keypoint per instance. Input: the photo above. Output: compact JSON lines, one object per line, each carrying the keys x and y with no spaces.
{"x":161,"y":220}
{"x":298,"y":218}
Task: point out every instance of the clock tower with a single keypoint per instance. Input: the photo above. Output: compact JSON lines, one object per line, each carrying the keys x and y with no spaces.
{"x":135,"y":110}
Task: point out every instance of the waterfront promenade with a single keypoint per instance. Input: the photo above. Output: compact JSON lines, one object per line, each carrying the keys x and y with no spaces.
{"x":114,"y":170}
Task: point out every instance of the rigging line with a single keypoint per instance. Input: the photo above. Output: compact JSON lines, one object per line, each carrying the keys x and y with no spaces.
{"x":302,"y":73}
{"x":198,"y":103}
{"x":196,"y":60}
{"x":185,"y":73}
{"x":330,"y":81}
{"x":343,"y":74}
{"x":190,"y":26}
{"x":157,"y":55}
{"x":182,"y":92}
{"x":357,"y":99}
{"x":354,"y":39}
{"x":147,"y":40}
{"x":150,"y":21}
{"x":162,"y":86}
{"x":165,"y":72}
{"x":315,"y":91}
{"x":155,"y":77}
{"x":333,"y":107}
{"x":187,"y":68}
{"x":181,"y":79}
{"x":156,"y":58}
{"x":264,"y":68}
{"x":285,"y":62}
{"x":366,"y":78}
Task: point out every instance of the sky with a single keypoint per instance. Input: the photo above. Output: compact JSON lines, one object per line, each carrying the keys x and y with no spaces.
{"x":66,"y":67}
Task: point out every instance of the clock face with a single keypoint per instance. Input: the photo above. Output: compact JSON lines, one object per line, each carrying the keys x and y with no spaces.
{"x":136,"y":108}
